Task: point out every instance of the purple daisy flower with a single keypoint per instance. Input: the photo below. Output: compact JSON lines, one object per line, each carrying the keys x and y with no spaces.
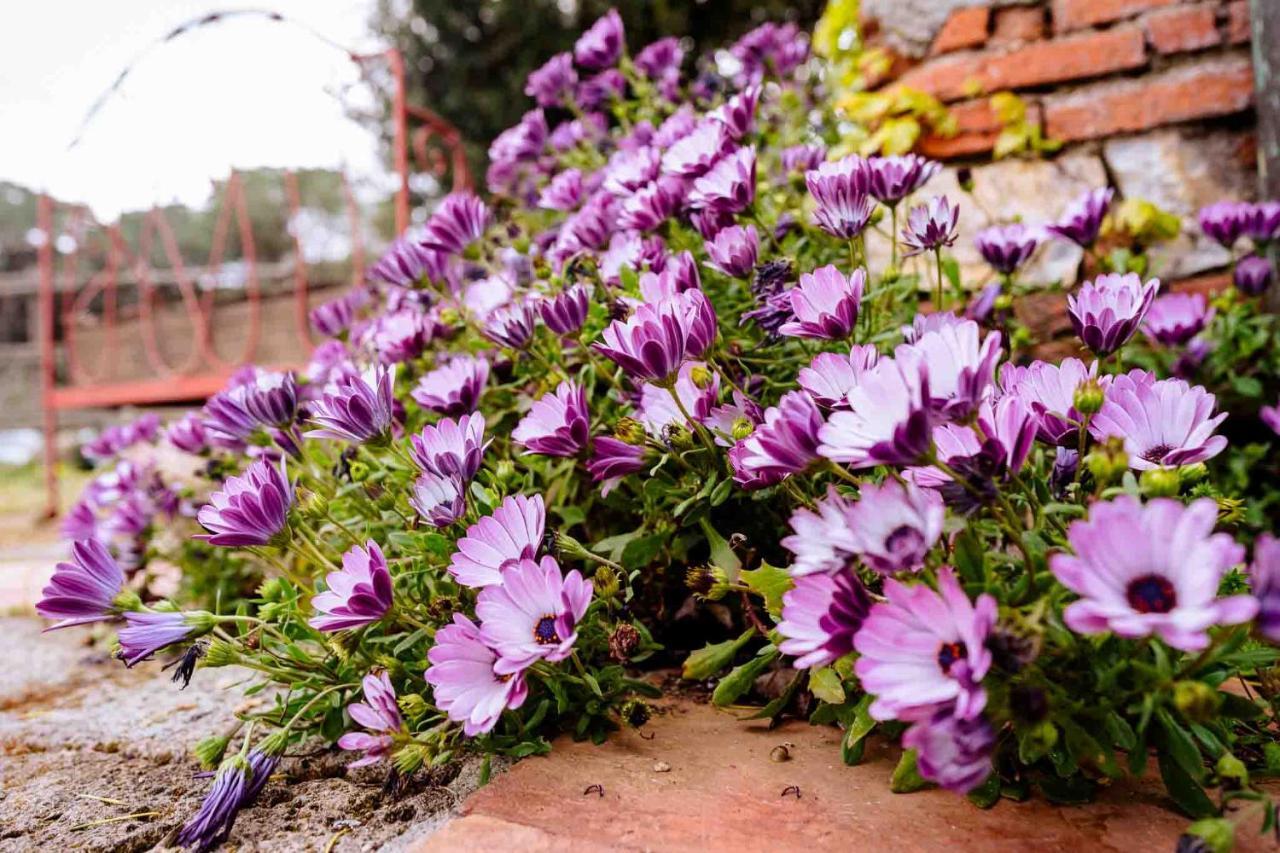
{"x":1176,"y":318}
{"x":511,"y":326}
{"x":226,"y":419}
{"x":1224,"y":221}
{"x":356,"y":408}
{"x":700,"y":323}
{"x":438,"y":498}
{"x":400,"y":335}
{"x":403,"y":264}
{"x":251,"y":509}
{"x":730,"y":186}
{"x":465,"y":683}
{"x":724,"y":421}
{"x":822,"y":537}
{"x":496,"y":542}
{"x":1270,"y":416}
{"x":961,"y":369}
{"x":212,"y":824}
{"x":825,"y":304}
{"x":378,"y":713}
{"x":1262,"y":221}
{"x":888,"y":420}
{"x":952,"y":752}
{"x":1049,"y":390}
{"x":1082,"y":219}
{"x":786,"y":443}
{"x":830,"y":376}
{"x":148,"y":631}
{"x":659,"y":58}
{"x":334,"y":317}
{"x":552,"y":83}
{"x":657,"y":409}
{"x":895,"y":177}
{"x":738,"y":114}
{"x":930,"y":226}
{"x":733,"y":251}
{"x":651,"y":205}
{"x":628,"y":171}
{"x":841,"y":192}
{"x":999,"y":448}
{"x":558,"y":424}
{"x":460,"y":219}
{"x":1007,"y":247}
{"x":602,"y":43}
{"x":1164,"y":423}
{"x":564,"y":193}
{"x":1106,"y":312}
{"x":612,"y":459}
{"x":453,"y":388}
{"x":596,"y":92}
{"x":565,"y":312}
{"x":799,"y":159}
{"x":533,"y":615}
{"x":693,"y":155}
{"x":1252,"y":275}
{"x":83,"y":590}
{"x":1154,"y":569}
{"x":451,"y":447}
{"x":892,"y":526}
{"x":358,"y":595}
{"x":270,"y":397}
{"x":188,"y":434}
{"x":820,"y":616}
{"x":1264,"y":579}
{"x":923,"y":650}
{"x":648,"y":345}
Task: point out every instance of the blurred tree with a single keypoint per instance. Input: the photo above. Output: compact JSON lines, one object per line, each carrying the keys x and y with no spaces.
{"x":468,"y":60}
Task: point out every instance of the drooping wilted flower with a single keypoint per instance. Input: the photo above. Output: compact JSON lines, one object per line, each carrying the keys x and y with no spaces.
{"x":148,"y":631}
{"x":786,"y":443}
{"x":438,"y":498}
{"x":961,"y":365}
{"x":251,"y":509}
{"x":1163,"y":423}
{"x":895,"y":177}
{"x":356,"y":408}
{"x":451,"y":447}
{"x":693,"y":155}
{"x":952,"y":752}
{"x":403,"y":264}
{"x":1007,"y":247}
{"x":734,"y":250}
{"x":496,"y":542}
{"x":602,"y":43}
{"x":1224,"y":221}
{"x":1082,"y":219}
{"x":613,"y":459}
{"x":930,"y":226}
{"x":820,"y":616}
{"x":558,"y":424}
{"x":1264,"y":580}
{"x":892,"y":526}
{"x":830,"y":377}
{"x":923,"y":650}
{"x":460,"y":219}
{"x":841,"y":193}
{"x":825,"y":304}
{"x":358,"y":595}
{"x":1153,"y":569}
{"x":730,"y":185}
{"x":1252,"y":275}
{"x":83,"y":590}
{"x":888,"y":420}
{"x":380,"y":715}
{"x":1176,"y":318}
{"x":1049,"y":390}
{"x":1106,"y":312}
{"x":212,"y":824}
{"x":511,"y":325}
{"x":533,"y":615}
{"x":552,"y":83}
{"x":464,"y":680}
{"x":453,"y":388}
{"x":648,"y":345}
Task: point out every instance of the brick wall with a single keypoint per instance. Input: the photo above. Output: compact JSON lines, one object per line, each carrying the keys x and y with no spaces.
{"x":1153,"y":96}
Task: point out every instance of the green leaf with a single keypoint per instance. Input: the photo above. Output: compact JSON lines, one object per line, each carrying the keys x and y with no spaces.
{"x":1075,"y":790}
{"x":970,"y":557}
{"x":721,"y":554}
{"x":770,"y":583}
{"x":1119,"y":731}
{"x":1238,"y":707}
{"x":643,"y":551}
{"x":906,"y":776}
{"x":825,"y":684}
{"x":1185,"y":791}
{"x":593,"y":684}
{"x":740,"y":679}
{"x":987,"y":794}
{"x":1247,"y":386}
{"x":856,"y":732}
{"x":612,"y":546}
{"x":714,"y":657}
{"x":1179,"y":746}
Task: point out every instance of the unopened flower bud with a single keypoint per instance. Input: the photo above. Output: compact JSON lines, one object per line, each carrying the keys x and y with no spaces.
{"x":1108,"y":462}
{"x":709,"y":583}
{"x":1003,"y":302}
{"x":271,"y":589}
{"x":1232,"y":772}
{"x":1211,"y":835}
{"x":1043,"y":736}
{"x":605,"y":583}
{"x":1160,"y":483}
{"x":1089,"y":397}
{"x":359,"y":471}
{"x":629,"y":430}
{"x":412,"y":705}
{"x":635,"y":712}
{"x":565,"y":547}
{"x":209,"y":751}
{"x":678,"y":436}
{"x":890,"y":273}
{"x":1195,"y":700}
{"x":701,"y":377}
{"x":505,"y":472}
{"x":221,"y":653}
{"x":127,"y":599}
{"x":1230,"y":510}
{"x":1189,"y":475}
{"x":312,"y":504}
{"x":742,"y":428}
{"x":450,"y":316}
{"x":410,"y":757}
{"x":624,"y":642}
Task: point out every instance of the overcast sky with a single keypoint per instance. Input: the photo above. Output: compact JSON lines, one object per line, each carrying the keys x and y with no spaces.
{"x":244,"y":92}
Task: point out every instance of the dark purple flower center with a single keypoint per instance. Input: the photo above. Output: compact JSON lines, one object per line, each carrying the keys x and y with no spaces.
{"x":1156,"y":454}
{"x":904,"y":542}
{"x":949,"y":653}
{"x":544,"y":633}
{"x":1152,"y":594}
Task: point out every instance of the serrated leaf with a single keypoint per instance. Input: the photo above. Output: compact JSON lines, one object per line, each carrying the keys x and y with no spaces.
{"x":739,"y":680}
{"x":770,"y":583}
{"x":714,"y":657}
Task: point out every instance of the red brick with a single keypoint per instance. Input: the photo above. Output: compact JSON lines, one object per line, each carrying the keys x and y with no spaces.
{"x":1182,"y":28}
{"x":977,"y":129}
{"x":965,"y":28}
{"x":1238,"y":22}
{"x":1076,"y":14}
{"x":1017,"y":25}
{"x":1214,"y":88}
{"x":1072,"y":58}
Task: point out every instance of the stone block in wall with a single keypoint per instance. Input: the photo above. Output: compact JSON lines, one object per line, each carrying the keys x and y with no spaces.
{"x":965,"y":28}
{"x":1182,"y":28}
{"x":1077,"y":14}
{"x":1238,"y":28}
{"x":1181,"y":174}
{"x":1016,"y":25}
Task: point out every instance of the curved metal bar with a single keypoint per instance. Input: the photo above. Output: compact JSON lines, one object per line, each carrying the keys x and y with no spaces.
{"x":301,"y":306}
